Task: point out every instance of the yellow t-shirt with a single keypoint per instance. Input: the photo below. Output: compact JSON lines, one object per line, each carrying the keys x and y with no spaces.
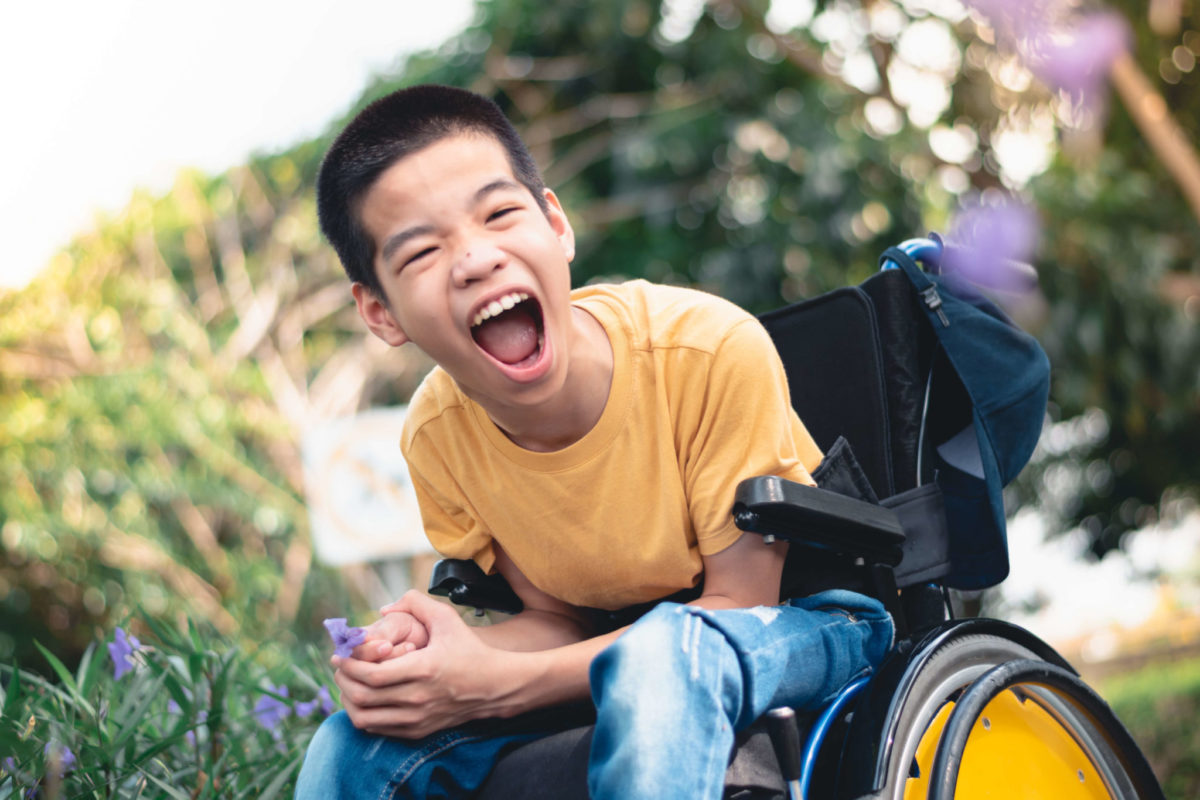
{"x":698,"y":402}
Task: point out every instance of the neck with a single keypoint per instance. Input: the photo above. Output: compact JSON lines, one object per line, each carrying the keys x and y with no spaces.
{"x":577,"y":407}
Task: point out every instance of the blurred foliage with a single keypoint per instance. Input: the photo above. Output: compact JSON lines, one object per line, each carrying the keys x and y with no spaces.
{"x":196,"y":716}
{"x":155,"y":381}
{"x":1160,"y":705}
{"x":146,"y":454}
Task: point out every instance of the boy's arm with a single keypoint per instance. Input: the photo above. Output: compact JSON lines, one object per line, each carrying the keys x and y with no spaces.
{"x":546,"y":622}
{"x":743,"y":575}
{"x":464,"y":675}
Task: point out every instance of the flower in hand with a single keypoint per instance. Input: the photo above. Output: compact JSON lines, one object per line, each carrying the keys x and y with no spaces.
{"x":394,"y":634}
{"x":345,"y":638}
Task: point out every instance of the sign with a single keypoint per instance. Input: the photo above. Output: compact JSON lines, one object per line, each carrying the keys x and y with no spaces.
{"x":360,"y":498}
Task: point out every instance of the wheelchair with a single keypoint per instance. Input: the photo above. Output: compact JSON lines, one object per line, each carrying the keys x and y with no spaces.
{"x":964,"y":708}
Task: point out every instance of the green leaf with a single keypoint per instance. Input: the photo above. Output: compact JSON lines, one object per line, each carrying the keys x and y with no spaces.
{"x":64,"y":675}
{"x":172,"y":791}
{"x":12,"y":695}
{"x":90,"y":668}
{"x":285,"y":774}
{"x":59,"y":668}
{"x":133,"y":708}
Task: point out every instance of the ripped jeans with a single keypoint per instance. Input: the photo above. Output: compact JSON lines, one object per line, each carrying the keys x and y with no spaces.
{"x":670,"y":694}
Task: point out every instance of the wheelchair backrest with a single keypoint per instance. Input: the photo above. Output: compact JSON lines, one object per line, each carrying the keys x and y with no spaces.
{"x":863,"y":363}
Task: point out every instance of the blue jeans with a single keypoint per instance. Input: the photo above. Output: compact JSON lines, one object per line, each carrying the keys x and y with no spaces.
{"x":669,"y":696}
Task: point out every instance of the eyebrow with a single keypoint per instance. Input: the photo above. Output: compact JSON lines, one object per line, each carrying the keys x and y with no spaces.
{"x":396,"y":241}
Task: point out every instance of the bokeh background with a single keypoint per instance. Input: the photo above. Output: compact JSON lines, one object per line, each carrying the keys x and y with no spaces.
{"x":162,"y":363}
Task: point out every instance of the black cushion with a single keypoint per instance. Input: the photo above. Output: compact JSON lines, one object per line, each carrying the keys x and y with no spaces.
{"x":555,"y":768}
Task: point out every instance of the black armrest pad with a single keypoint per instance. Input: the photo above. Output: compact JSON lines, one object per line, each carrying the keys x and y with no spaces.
{"x":467,"y":585}
{"x":806,"y":515}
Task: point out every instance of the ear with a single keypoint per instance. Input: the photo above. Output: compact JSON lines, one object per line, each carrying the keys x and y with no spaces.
{"x":377,"y":315}
{"x":560,"y":224}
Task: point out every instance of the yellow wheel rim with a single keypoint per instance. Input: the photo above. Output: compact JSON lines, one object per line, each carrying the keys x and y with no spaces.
{"x":1016,"y":750}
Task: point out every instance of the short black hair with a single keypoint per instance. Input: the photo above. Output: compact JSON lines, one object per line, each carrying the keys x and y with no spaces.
{"x":387,"y":130}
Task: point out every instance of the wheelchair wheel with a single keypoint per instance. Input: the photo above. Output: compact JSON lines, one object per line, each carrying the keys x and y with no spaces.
{"x":1037,"y":730}
{"x":950,"y":670}
{"x":1053,"y":739}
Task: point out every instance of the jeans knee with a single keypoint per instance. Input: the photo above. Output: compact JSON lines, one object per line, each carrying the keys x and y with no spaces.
{"x":652,"y":660}
{"x":335,"y":748}
{"x":646,"y":641}
{"x":335,"y":734}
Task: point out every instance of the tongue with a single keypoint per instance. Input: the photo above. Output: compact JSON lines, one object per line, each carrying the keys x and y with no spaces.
{"x":511,"y":337}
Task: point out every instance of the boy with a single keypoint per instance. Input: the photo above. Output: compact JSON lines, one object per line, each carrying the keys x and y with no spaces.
{"x":585,"y":445}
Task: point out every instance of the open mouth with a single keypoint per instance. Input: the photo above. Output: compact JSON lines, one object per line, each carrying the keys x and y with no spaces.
{"x":510,"y":329}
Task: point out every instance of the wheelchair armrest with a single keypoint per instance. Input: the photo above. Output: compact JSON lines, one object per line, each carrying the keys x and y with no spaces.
{"x":805,"y":515}
{"x":466,"y":584}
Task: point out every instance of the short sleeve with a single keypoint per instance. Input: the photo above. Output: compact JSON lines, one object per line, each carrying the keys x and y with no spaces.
{"x":744,"y":427}
{"x":450,"y":529}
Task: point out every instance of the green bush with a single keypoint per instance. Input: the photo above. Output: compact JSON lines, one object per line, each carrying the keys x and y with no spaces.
{"x":187,"y":716}
{"x":1160,"y":705}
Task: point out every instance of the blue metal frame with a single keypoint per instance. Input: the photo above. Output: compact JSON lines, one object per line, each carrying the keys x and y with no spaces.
{"x":927,"y":250}
{"x":820,"y":729}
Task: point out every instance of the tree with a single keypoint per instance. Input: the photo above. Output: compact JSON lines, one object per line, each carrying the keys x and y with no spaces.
{"x":156,"y":380}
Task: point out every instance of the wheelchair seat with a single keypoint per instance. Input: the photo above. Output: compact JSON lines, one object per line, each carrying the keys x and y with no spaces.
{"x":906,"y":508}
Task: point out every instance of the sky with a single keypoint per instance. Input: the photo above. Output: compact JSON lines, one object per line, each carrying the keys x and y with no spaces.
{"x":100,"y":98}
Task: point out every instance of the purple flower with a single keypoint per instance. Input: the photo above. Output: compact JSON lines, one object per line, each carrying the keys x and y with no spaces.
{"x":1073,"y":56}
{"x":1077,"y":59}
{"x":1012,"y":19}
{"x":120,"y":649}
{"x":322,"y":699}
{"x":60,"y":756}
{"x":991,"y":244}
{"x":327,"y":706}
{"x":271,"y":711}
{"x":345,"y":639}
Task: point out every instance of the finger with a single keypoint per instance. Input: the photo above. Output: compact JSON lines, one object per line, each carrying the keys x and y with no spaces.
{"x":401,"y":603}
{"x":381,"y":674}
{"x":395,"y":604}
{"x":358,"y":697}
{"x":373,"y":651}
{"x":429,"y":612}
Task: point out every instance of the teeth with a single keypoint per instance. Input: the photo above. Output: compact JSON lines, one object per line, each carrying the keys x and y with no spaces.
{"x":499,"y":306}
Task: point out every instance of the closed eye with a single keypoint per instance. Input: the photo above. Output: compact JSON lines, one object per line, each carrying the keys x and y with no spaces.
{"x":419,"y":255}
{"x":501,"y":212}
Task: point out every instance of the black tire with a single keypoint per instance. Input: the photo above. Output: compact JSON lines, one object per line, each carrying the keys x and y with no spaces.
{"x":955,"y":665}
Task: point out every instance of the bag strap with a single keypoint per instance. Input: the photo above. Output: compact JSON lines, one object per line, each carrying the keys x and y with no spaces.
{"x":921,"y":281}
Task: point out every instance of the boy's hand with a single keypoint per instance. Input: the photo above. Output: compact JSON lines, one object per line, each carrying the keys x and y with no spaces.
{"x":394,"y":634}
{"x":455,"y":679}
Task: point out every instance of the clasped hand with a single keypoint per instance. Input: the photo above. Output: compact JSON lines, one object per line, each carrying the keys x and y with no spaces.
{"x":420,"y":670}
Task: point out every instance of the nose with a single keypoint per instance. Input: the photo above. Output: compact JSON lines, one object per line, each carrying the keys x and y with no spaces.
{"x":478,"y":260}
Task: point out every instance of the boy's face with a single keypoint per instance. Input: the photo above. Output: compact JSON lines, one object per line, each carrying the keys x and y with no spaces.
{"x":475,"y":274}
